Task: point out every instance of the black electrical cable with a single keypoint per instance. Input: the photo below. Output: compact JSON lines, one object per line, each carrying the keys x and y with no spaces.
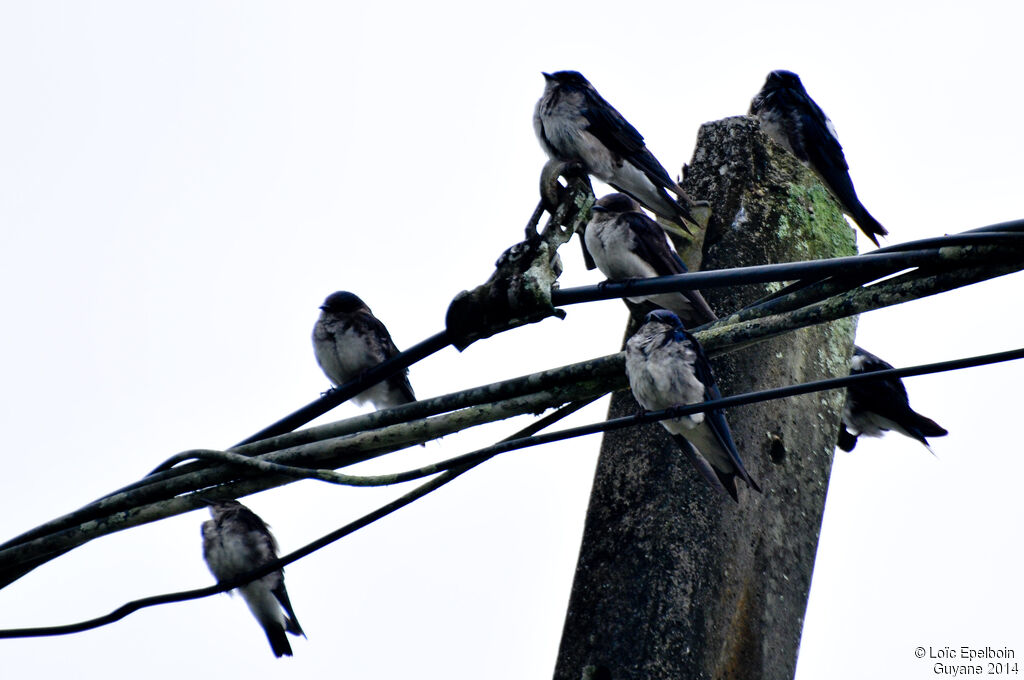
{"x":343,"y":393}
{"x":468,"y":461}
{"x":877,"y":262}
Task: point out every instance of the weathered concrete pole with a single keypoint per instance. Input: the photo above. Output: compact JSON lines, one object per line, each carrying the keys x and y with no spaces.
{"x":675,"y":581}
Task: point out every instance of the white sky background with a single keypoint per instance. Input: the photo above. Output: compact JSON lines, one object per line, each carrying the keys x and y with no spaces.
{"x":181,"y":185}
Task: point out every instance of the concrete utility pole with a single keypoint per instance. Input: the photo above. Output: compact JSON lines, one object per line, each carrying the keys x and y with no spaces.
{"x":675,"y":581}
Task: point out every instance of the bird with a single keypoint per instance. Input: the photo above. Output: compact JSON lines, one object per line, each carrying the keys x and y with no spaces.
{"x":667,"y":367}
{"x":874,"y":407}
{"x":574,"y":123}
{"x":236,"y":541}
{"x":788,"y":115}
{"x":627,"y":244}
{"x":348,"y":340}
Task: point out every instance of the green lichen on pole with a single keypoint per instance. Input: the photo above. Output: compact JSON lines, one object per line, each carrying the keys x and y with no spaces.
{"x":674,"y":580}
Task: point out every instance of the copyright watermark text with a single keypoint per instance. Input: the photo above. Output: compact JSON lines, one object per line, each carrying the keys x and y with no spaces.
{"x":967,"y":660}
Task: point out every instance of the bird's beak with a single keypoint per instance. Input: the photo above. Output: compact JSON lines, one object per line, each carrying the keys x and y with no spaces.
{"x":599,"y":208}
{"x":547,"y":76}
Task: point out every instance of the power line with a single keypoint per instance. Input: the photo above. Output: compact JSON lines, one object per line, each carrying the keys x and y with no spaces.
{"x":730,"y":335}
{"x":343,"y":393}
{"x":913,"y":254}
{"x":982,"y":253}
{"x":385,"y":510}
{"x":522,"y":439}
{"x":628,"y":421}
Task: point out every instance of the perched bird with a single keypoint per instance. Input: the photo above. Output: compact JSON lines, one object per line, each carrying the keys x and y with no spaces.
{"x":574,"y":123}
{"x":235,"y":541}
{"x":876,"y":406}
{"x":790,"y":117}
{"x":666,"y":367}
{"x":627,"y":244}
{"x":348,"y":339}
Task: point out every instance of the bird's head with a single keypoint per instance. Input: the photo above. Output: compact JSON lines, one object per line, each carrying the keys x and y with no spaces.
{"x":342,"y":302}
{"x":566,"y":78}
{"x":616,"y":203}
{"x":218,"y":506}
{"x":665,"y":317}
{"x":780,"y":79}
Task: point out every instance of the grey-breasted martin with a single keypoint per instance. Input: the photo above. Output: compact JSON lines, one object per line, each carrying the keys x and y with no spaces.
{"x":235,"y":541}
{"x":876,"y":406}
{"x":627,"y":244}
{"x":666,"y":367}
{"x":574,"y":123}
{"x":348,"y":339}
{"x":789,"y":116}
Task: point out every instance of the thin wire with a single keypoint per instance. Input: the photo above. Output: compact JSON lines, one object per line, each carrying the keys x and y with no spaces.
{"x":224,"y":586}
{"x":934,"y":244}
{"x":894,"y":259}
{"x":520,"y":440}
{"x":356,"y":386}
{"x":128,"y":498}
{"x":1005,"y":232}
{"x":901,"y":255}
{"x":343,"y":393}
{"x":737,"y":400}
{"x":890,"y":256}
{"x":905,"y":254}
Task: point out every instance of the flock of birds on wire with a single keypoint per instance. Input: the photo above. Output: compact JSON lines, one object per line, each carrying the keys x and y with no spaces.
{"x":665,"y":364}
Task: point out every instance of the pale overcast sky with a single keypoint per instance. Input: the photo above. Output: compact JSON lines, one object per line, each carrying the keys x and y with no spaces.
{"x":183,"y":183}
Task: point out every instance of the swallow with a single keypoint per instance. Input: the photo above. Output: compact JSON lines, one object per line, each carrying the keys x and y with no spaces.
{"x":575,"y":124}
{"x":347,"y":340}
{"x":235,"y":541}
{"x":627,"y":244}
{"x":667,"y":367}
{"x":877,"y":406}
{"x":788,"y":115}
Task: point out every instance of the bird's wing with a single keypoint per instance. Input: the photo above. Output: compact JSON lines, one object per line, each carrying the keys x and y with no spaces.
{"x":723,"y":482}
{"x":292,"y":623}
{"x":609,"y":127}
{"x":650,"y":166}
{"x":816,"y":140}
{"x":652,"y":245}
{"x":818,"y":144}
{"x":825,"y":153}
{"x":714,"y":418}
{"x":616,"y":133}
{"x":886,"y":396}
{"x":257,"y":534}
{"x":263,"y":546}
{"x":372,"y":325}
{"x":825,"y":132}
{"x":366,"y":324}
